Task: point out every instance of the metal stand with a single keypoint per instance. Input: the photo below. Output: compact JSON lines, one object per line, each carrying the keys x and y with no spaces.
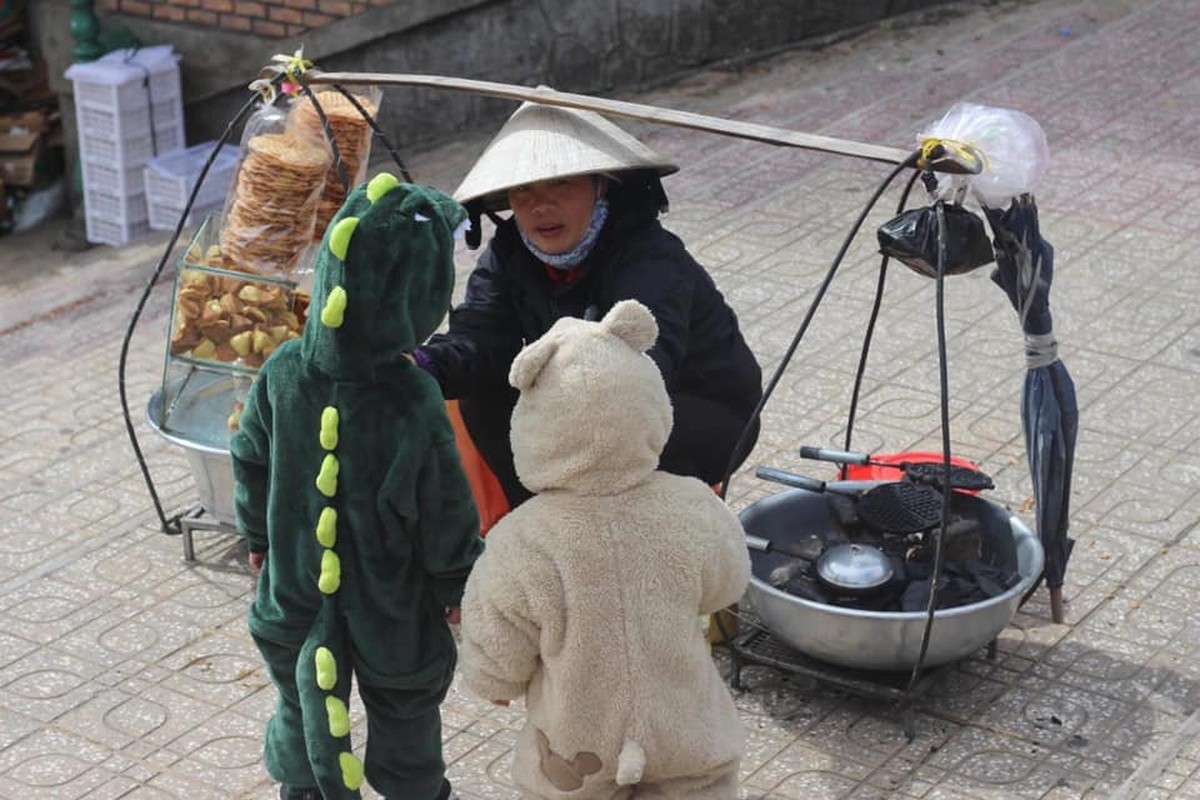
{"x":759,"y":647}
{"x":193,"y":520}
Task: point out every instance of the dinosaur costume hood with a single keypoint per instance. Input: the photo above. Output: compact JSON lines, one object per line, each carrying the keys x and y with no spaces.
{"x":374,"y":304}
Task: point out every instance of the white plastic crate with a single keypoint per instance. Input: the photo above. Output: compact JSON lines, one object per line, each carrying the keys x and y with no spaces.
{"x":133,"y":151}
{"x":114,"y":219}
{"x":127,"y":79}
{"x":104,"y":231}
{"x":112,"y":178}
{"x":116,"y":208}
{"x":138,"y":92}
{"x":165,"y":218}
{"x":117,"y":125}
{"x":169,"y":178}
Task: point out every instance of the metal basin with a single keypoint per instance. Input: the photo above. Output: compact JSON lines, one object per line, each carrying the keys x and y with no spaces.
{"x":196,"y":421}
{"x":881,"y":640}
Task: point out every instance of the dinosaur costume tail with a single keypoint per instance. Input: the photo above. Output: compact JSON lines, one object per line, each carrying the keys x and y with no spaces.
{"x":323,"y":680}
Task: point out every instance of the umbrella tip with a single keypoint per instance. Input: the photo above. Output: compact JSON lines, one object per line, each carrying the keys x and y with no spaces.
{"x":1058,"y":611}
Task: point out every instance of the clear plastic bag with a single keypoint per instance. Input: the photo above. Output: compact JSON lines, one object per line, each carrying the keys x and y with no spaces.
{"x":1013,"y":145}
{"x":272,"y":206}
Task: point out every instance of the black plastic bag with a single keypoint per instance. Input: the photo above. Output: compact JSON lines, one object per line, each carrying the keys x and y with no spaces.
{"x":912,"y":238}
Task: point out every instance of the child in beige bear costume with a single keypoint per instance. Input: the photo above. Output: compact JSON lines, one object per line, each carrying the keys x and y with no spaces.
{"x":587,"y":598}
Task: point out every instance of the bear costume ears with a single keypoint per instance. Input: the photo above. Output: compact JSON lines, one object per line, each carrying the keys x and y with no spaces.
{"x":628,"y":321}
{"x":632,"y":323}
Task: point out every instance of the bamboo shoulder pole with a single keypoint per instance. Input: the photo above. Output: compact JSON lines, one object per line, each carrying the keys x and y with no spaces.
{"x":620,"y":108}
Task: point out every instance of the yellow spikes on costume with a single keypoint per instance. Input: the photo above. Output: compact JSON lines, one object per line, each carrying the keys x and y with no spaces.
{"x":327,"y":527}
{"x":329,"y":428}
{"x":331,"y":573}
{"x":380,"y":185}
{"x":334,"y":312}
{"x":339,"y":237}
{"x":326,"y":668}
{"x":327,"y":477}
{"x":339,"y":717}
{"x":352,"y":770}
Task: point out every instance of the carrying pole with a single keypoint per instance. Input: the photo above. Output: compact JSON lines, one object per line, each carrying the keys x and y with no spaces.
{"x":648,"y":113}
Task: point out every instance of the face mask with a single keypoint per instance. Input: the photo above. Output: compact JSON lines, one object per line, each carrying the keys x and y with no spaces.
{"x":573,"y":257}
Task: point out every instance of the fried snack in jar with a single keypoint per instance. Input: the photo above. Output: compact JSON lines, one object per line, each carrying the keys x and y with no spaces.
{"x":232,"y":320}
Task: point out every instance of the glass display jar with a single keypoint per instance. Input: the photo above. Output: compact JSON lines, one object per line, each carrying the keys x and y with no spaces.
{"x":224,"y":323}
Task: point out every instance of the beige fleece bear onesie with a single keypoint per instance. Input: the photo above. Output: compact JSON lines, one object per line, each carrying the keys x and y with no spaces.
{"x":586,"y":600}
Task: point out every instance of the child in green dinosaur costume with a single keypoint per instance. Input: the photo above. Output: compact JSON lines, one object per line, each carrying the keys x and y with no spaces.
{"x":353,"y":502}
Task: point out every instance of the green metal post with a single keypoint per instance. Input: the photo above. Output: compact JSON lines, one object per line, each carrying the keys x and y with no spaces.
{"x":85,"y":31}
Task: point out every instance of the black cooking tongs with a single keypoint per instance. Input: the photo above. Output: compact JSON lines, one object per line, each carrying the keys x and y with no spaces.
{"x":930,"y":472}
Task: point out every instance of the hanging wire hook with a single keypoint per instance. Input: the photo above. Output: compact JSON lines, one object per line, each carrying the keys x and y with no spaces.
{"x":377,"y":130}
{"x":748,"y":430}
{"x":872,"y":320}
{"x":338,"y":163}
{"x":944,"y":407}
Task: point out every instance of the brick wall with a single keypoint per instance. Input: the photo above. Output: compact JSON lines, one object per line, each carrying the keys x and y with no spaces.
{"x":270,"y":18}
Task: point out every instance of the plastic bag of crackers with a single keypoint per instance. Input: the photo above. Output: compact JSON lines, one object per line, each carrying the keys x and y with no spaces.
{"x":350,"y":130}
{"x":271,"y":209}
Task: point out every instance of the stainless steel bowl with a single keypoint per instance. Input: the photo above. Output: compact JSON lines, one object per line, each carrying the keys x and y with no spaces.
{"x":197,"y":423}
{"x":880,"y":640}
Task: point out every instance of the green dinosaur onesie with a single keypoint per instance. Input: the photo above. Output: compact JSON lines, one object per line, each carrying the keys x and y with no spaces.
{"x":348,"y":478}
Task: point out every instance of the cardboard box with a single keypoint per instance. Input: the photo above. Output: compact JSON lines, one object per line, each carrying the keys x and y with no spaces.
{"x":23,"y":142}
{"x":19,"y":154}
{"x":38,"y":121}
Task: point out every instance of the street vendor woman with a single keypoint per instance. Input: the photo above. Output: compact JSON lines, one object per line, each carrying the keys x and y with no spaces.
{"x":584,"y":234}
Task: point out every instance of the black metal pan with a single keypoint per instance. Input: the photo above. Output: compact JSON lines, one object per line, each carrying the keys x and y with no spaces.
{"x":891,"y":507}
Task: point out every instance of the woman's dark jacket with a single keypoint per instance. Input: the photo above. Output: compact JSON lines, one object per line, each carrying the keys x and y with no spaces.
{"x":510,"y":301}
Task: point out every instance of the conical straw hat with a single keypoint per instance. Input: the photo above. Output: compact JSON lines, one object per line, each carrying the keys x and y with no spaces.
{"x":540,"y":142}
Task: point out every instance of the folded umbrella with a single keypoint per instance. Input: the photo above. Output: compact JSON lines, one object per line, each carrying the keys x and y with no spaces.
{"x":1049,"y":411}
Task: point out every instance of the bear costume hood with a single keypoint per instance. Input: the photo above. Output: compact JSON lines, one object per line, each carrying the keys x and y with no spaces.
{"x":587,"y":600}
{"x":604,"y":367}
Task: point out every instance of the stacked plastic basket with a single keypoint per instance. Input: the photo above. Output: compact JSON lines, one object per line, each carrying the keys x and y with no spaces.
{"x":170,"y":179}
{"x":128,"y":109}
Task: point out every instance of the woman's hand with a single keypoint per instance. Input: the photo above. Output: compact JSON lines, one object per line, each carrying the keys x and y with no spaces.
{"x":453,"y":615}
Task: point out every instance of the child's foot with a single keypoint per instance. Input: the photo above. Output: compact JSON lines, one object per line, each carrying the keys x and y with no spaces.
{"x":291,"y":793}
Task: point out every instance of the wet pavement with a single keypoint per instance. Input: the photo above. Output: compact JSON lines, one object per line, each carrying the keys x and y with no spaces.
{"x":127,"y":671}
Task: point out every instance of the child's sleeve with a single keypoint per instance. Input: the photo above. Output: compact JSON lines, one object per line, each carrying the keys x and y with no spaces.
{"x":727,"y":569}
{"x":449,"y":523}
{"x":250,"y":449}
{"x":499,"y":647}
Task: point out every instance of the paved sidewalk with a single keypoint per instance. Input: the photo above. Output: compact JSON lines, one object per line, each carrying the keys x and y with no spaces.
{"x":127,"y":673}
